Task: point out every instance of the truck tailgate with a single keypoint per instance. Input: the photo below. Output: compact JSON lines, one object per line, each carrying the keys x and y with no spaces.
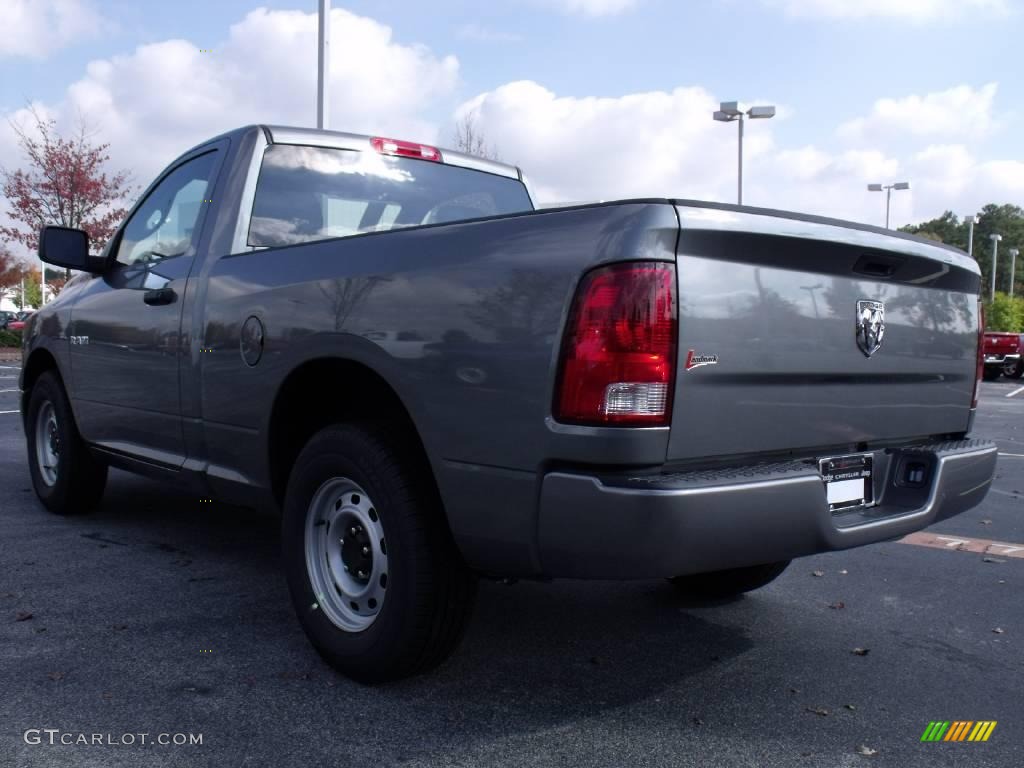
{"x":1001,"y":343}
{"x":770,"y":304}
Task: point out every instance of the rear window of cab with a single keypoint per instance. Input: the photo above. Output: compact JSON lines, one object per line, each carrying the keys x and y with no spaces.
{"x":314,"y":193}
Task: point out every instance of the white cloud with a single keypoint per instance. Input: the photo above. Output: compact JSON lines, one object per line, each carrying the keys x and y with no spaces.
{"x":914,"y":10}
{"x":481,"y":34}
{"x":665,"y":144}
{"x":162,"y":98}
{"x":1005,"y":175}
{"x":584,"y":148}
{"x":36,"y":28}
{"x":593,"y":7}
{"x":958,"y":112}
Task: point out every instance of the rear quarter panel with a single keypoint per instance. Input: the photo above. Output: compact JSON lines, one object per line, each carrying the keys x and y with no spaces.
{"x":462,"y":320}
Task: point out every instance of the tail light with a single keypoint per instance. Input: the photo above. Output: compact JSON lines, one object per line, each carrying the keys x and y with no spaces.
{"x":980,"y":370}
{"x":406,"y":149}
{"x":618,"y":359}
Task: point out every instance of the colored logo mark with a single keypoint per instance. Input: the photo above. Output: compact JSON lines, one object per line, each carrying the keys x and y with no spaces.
{"x":958,"y":730}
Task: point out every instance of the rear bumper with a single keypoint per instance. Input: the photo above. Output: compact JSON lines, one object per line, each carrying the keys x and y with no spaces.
{"x":694,"y":522}
{"x":1000,"y":359}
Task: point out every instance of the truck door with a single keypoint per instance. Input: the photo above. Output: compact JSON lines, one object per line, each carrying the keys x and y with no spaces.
{"x":126,"y":326}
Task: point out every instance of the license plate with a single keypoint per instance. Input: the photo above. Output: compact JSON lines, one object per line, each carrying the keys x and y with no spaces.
{"x":847,"y":481}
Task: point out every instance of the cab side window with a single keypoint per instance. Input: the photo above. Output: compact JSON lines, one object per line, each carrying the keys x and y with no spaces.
{"x":164,"y":226}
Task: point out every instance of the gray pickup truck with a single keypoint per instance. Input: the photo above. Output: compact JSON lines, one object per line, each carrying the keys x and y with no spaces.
{"x":433,"y":381}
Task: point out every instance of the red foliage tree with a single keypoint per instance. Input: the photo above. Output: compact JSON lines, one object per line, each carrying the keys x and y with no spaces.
{"x":11,"y":272}
{"x":65,"y":182}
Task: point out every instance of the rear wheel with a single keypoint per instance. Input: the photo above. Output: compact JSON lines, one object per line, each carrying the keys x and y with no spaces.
{"x":375,"y":578}
{"x":1014,"y":370}
{"x":735,"y":581}
{"x":64,"y":474}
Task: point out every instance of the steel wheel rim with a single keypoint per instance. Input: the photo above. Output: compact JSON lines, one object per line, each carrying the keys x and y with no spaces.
{"x":346,"y":555}
{"x":47,"y":443}
{"x":1009,"y":369}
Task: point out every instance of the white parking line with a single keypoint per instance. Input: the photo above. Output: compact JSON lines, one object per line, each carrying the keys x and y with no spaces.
{"x":2,"y":391}
{"x":1012,"y":455}
{"x":2,"y":412}
{"x":981,"y":546}
{"x":1016,"y":392}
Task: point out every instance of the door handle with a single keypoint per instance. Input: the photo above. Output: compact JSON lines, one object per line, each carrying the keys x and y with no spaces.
{"x":159,"y":296}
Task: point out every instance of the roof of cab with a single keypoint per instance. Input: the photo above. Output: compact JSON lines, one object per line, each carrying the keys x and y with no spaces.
{"x":280,"y":134}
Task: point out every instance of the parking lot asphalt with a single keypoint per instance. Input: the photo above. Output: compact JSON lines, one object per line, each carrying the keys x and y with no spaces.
{"x":160,"y":614}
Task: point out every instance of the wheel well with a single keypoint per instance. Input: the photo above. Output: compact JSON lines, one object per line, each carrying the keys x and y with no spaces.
{"x":39,"y":362}
{"x":328,"y":391}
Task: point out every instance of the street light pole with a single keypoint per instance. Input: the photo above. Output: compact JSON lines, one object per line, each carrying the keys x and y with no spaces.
{"x":995,"y":260}
{"x":739,"y":166}
{"x":323,"y":63}
{"x":900,"y":185}
{"x":971,"y":221}
{"x":732,"y":111}
{"x":1013,"y":267}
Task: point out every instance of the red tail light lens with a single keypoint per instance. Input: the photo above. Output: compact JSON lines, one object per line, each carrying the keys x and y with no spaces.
{"x":618,"y":356}
{"x":980,"y":370}
{"x":406,"y":149}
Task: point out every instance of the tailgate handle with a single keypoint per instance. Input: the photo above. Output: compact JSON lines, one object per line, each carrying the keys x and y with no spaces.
{"x":877,"y":265}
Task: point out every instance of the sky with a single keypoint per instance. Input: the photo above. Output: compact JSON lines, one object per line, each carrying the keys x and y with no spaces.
{"x":594,"y":99}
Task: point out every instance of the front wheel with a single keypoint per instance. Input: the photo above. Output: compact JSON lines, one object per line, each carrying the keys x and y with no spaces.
{"x":375,"y":578}
{"x":64,"y":474}
{"x":1014,"y":370}
{"x":729,"y":583}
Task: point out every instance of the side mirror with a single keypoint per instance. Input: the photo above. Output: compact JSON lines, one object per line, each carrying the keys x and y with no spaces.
{"x":67,"y":247}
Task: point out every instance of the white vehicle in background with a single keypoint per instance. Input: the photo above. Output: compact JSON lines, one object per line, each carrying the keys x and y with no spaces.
{"x":401,"y":344}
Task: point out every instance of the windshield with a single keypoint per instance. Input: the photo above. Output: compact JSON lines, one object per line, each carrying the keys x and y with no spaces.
{"x":313,"y":193}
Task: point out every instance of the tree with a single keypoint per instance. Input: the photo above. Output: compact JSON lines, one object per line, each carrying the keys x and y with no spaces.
{"x":946,"y":229}
{"x":469,"y":138}
{"x":1006,"y":220}
{"x":55,"y":282}
{"x":11,"y":273}
{"x":65,"y":182}
{"x":1004,"y":313}
{"x":33,"y":291}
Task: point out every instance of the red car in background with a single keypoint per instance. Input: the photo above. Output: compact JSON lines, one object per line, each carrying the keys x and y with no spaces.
{"x":19,"y":324}
{"x":1003,"y":355}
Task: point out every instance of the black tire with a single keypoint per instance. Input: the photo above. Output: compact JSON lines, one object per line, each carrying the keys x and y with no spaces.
{"x":80,"y":479}
{"x":723,"y":584}
{"x":991,"y":374}
{"x":430,"y":591}
{"x":1015,"y":371}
